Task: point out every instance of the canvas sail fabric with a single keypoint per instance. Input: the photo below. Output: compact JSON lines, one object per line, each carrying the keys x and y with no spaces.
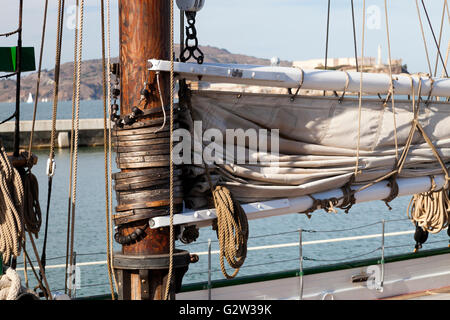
{"x":318,"y":142}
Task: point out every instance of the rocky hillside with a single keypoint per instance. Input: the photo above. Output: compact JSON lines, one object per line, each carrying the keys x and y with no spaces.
{"x":91,"y":84}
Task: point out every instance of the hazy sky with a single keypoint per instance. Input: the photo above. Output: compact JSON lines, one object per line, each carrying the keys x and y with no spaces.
{"x":289,"y":29}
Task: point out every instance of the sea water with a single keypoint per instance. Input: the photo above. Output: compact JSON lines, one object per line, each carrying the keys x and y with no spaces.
{"x":90,"y":224}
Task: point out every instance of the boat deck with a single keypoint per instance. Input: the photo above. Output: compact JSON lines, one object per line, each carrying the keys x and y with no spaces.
{"x":435,"y":294}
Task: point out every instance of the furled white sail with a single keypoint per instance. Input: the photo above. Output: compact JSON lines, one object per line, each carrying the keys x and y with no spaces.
{"x":318,"y":142}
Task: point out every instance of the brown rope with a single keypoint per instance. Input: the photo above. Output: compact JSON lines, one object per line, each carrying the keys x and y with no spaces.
{"x":231,"y":227}
{"x":32,"y":210}
{"x":232,"y":230}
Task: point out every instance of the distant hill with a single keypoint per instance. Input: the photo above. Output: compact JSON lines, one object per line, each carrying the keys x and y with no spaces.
{"x":91,"y":82}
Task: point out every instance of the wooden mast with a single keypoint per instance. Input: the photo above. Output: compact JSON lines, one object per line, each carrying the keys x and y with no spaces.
{"x":144,"y":28}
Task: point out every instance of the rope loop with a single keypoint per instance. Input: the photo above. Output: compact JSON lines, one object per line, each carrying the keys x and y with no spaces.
{"x":302,"y":79}
{"x":347,"y":82}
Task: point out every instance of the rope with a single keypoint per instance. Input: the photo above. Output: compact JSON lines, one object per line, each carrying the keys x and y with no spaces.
{"x":440,"y":37}
{"x":326,"y":39}
{"x":38,"y":82}
{"x":69,"y":203}
{"x":108,"y":45}
{"x":171,"y":169}
{"x":430,"y":210}
{"x":302,"y":79}
{"x":8,"y":75}
{"x":423,"y":37}
{"x":434,"y":37}
{"x":232,"y":230}
{"x":11,"y":209}
{"x":354,"y":36}
{"x":347,"y":82}
{"x":8,"y":34}
{"x":392,"y":88}
{"x":50,"y":161}
{"x":32,"y":211}
{"x":360,"y":89}
{"x":77,"y":124}
{"x":105,"y":144}
{"x":10,"y":285}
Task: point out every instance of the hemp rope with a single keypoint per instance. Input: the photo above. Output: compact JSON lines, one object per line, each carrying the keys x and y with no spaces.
{"x":11,"y":209}
{"x":80,"y":24}
{"x":51,"y":161}
{"x":440,"y":39}
{"x":171,"y":169}
{"x":430,"y":209}
{"x":69,"y":203}
{"x":423,"y":37}
{"x":106,"y":84}
{"x":231,"y":227}
{"x":108,"y":46}
{"x":360,"y":89}
{"x":392,"y":88}
{"x":232,"y":230}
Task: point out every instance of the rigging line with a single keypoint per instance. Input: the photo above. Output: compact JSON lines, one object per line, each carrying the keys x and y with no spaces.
{"x":18,"y":82}
{"x":8,"y":75}
{"x":108,"y":44}
{"x":354,"y":37}
{"x":434,"y":37}
{"x":7,"y":34}
{"x":448,"y":14}
{"x":69,"y":203}
{"x":446,"y":57}
{"x":44,"y":26}
{"x":423,"y":37}
{"x":360,"y":89}
{"x":105,"y":147}
{"x":171,"y":168}
{"x":9,"y":118}
{"x":50,"y":162}
{"x":440,"y":37}
{"x":326,"y":39}
{"x":42,"y":276}
{"x":80,"y":24}
{"x":392,"y":89}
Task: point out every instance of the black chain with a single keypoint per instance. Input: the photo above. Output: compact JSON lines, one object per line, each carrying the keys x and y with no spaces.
{"x":115,"y":92}
{"x":191,"y":42}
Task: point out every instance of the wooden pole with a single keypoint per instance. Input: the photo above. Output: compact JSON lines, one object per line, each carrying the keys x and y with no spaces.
{"x":144,"y":28}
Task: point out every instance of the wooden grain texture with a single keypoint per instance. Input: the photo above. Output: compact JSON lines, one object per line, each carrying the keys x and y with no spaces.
{"x":144,"y":27}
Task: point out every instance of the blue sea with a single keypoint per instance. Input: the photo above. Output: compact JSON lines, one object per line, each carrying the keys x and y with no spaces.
{"x":90,"y":228}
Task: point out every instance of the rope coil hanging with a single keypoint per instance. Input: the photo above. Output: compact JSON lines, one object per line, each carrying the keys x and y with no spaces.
{"x":232,"y":230}
{"x":430,"y":210}
{"x":231,"y":227}
{"x":11,"y":209}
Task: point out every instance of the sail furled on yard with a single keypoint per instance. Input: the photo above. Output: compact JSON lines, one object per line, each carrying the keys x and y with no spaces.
{"x":318,"y":143}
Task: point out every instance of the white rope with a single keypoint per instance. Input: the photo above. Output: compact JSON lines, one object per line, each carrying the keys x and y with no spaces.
{"x":11,"y":209}
{"x":10,"y":287}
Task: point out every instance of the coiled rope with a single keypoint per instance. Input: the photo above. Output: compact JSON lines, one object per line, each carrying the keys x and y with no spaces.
{"x":32,"y":210}
{"x":430,"y":210}
{"x":11,"y":209}
{"x":232,"y":230}
{"x":10,"y":285}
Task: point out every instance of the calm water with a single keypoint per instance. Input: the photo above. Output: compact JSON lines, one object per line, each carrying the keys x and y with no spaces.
{"x":90,"y":243}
